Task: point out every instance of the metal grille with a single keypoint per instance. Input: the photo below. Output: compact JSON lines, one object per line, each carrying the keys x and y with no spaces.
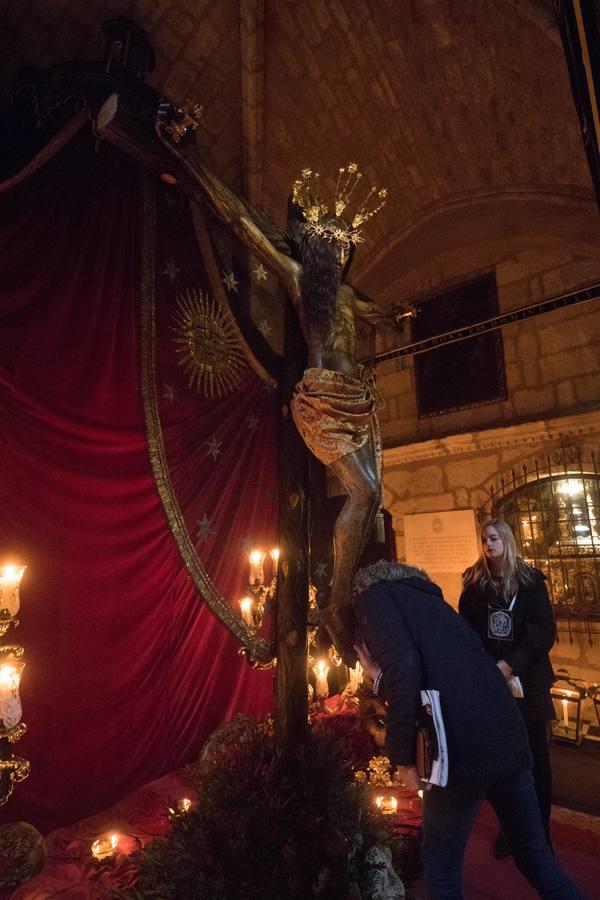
{"x":553,"y":509}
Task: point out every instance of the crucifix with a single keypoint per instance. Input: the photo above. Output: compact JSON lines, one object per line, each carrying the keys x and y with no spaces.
{"x":333,"y":402}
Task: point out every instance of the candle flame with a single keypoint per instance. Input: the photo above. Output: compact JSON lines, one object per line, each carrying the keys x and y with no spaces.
{"x":246,"y":605}
{"x":9,"y":677}
{"x":105,"y":846}
{"x":12,"y":573}
{"x":275,"y":554}
{"x":185,"y":804}
{"x":255,"y":557}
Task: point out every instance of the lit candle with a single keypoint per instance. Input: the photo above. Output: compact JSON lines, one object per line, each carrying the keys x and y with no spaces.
{"x":185,"y":804}
{"x":387,"y":805}
{"x":10,"y":702}
{"x":246,"y":608}
{"x":275,"y":556}
{"x":565,"y":704}
{"x":420,"y":793}
{"x":355,"y":676}
{"x":321,"y":670}
{"x":10,"y":579}
{"x":105,"y":846}
{"x":256,"y":558}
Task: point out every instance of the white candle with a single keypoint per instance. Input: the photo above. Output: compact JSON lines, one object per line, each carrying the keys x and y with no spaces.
{"x":321,"y":670}
{"x":10,"y":579}
{"x":355,"y":677}
{"x":246,"y":609}
{"x":10,"y":702}
{"x":565,"y":704}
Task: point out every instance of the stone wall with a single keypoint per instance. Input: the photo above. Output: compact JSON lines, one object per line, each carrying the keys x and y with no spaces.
{"x":552,"y":361}
{"x":458,"y":472}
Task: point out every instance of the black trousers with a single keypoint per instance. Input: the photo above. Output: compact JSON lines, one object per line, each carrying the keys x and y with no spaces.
{"x":539,"y":744}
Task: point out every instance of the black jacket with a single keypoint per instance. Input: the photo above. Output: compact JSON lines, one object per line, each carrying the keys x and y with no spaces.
{"x":420,"y":642}
{"x":534,"y":634}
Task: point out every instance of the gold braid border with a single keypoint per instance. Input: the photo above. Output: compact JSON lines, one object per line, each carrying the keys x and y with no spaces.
{"x":253,"y":644}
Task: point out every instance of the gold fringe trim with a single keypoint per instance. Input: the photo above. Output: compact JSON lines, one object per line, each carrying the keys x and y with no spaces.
{"x":256,"y":647}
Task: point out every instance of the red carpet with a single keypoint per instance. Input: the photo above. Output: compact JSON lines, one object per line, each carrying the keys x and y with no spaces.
{"x":71,"y":874}
{"x":576,"y":840}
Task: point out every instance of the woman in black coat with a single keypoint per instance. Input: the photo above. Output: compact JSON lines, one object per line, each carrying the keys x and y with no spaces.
{"x":506,"y":603}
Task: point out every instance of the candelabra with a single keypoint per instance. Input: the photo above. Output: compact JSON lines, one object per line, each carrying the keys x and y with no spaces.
{"x":260,"y":594}
{"x":319,"y":694}
{"x":22,"y":848}
{"x":12,"y":768}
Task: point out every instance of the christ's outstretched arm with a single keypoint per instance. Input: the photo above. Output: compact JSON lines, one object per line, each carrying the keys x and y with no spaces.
{"x":237,"y":213}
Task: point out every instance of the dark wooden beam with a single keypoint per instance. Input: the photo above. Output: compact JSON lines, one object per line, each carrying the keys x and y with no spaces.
{"x":579,"y":26}
{"x":291,"y":699}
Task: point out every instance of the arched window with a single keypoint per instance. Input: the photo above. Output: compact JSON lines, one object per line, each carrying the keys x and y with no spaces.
{"x":555,"y":517}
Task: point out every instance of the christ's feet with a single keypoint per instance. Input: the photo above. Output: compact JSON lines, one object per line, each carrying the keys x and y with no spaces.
{"x":340,"y":626}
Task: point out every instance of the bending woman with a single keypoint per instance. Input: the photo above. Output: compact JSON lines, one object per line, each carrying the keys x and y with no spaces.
{"x":506,"y":602}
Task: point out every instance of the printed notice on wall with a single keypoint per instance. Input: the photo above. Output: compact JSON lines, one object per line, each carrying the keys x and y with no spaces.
{"x":441,"y":541}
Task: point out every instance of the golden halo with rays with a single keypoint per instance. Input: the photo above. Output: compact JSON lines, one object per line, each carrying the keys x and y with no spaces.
{"x":209,"y":348}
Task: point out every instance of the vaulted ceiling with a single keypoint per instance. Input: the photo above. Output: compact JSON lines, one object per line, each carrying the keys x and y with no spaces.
{"x":450,"y":104}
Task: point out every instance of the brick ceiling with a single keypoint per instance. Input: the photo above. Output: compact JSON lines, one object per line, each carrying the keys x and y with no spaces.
{"x":438,"y":100}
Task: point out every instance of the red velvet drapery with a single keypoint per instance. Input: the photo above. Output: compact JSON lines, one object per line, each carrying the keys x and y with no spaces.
{"x":127,"y":669}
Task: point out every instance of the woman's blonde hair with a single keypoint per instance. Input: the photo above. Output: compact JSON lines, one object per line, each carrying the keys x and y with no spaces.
{"x":514,"y":569}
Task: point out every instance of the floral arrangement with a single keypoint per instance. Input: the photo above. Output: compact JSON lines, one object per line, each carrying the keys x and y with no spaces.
{"x":263,"y":830}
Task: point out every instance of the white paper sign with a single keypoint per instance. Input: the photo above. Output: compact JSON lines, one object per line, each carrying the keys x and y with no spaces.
{"x":441,"y":541}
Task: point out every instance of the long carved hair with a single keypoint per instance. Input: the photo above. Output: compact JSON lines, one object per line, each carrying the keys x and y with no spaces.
{"x":513,"y":571}
{"x":321,"y":273}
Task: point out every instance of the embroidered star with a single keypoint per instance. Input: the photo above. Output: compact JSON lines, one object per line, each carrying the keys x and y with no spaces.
{"x":168,"y":392}
{"x":214,"y":447}
{"x":204,"y":528}
{"x":260,"y":272}
{"x":321,"y":569}
{"x":264,"y":328}
{"x":252,"y":423}
{"x":229,"y":280}
{"x":171,"y":270}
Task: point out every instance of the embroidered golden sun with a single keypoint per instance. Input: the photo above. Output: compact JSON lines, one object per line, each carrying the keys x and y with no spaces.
{"x":208,"y":344}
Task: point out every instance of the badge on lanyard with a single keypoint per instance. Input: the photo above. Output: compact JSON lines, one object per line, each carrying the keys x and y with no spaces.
{"x":500,"y":622}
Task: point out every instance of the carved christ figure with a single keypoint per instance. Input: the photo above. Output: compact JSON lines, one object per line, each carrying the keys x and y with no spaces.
{"x":335,"y":403}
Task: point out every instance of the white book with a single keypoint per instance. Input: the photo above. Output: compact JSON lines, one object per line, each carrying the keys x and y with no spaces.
{"x":439,"y":766}
{"x":516,"y":687}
